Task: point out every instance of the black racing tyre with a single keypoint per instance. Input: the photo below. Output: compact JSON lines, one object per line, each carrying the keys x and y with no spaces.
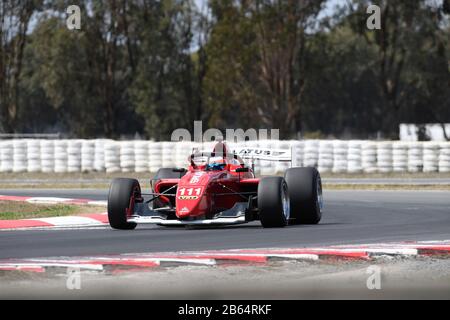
{"x":119,"y":197}
{"x":273,"y":202}
{"x":305,"y":194}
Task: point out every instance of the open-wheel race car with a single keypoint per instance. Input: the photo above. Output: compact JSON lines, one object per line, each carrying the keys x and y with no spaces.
{"x":218,"y":188}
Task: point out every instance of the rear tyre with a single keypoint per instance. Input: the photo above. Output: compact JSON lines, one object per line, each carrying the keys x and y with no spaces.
{"x":273,"y":202}
{"x":119,"y":200}
{"x":305,"y":194}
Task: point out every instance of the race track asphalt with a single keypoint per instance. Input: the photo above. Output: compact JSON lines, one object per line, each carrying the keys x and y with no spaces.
{"x":349,"y":217}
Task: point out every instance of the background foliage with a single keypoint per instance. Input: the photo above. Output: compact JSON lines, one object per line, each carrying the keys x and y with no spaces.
{"x":308,"y":67}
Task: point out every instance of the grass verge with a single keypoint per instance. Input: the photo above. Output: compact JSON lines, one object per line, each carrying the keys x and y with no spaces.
{"x":12,"y":210}
{"x":101,"y":180}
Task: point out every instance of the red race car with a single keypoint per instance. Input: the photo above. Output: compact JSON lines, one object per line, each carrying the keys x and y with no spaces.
{"x":218,"y":188}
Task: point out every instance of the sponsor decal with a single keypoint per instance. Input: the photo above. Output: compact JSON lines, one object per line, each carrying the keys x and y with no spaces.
{"x":260,"y":152}
{"x":188,"y":197}
{"x":264,"y":154}
{"x":196,"y":177}
{"x":189,"y":193}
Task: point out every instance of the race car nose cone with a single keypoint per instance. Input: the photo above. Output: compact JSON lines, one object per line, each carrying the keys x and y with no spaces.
{"x":191,"y":200}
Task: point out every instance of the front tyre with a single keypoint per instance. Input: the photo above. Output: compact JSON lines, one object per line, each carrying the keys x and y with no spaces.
{"x":305,"y":194}
{"x":273,"y":202}
{"x":122,"y":193}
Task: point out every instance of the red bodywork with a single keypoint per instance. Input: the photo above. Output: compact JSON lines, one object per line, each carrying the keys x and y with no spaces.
{"x":202,"y":193}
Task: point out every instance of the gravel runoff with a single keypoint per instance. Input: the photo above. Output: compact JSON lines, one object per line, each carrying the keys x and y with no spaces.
{"x":401,"y":278}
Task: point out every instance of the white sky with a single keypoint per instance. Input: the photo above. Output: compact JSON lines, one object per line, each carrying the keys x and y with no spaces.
{"x":200,"y":3}
{"x":328,"y":8}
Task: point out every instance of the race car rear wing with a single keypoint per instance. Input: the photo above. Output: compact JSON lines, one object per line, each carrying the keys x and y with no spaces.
{"x":280,"y":155}
{"x":249,"y":153}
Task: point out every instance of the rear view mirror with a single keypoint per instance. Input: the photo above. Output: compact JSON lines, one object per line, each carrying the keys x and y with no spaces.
{"x":243,"y":169}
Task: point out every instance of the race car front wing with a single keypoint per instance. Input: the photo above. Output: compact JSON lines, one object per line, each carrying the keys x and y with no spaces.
{"x":238,"y":214}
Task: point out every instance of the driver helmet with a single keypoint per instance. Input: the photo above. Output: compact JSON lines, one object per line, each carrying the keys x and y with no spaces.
{"x":216,"y":164}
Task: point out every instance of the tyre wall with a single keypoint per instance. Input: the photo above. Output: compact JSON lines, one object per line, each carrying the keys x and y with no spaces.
{"x":335,"y":156}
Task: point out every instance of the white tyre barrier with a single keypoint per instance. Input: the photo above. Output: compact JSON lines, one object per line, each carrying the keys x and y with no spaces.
{"x":34,"y":156}
{"x":354,"y":157}
{"x":20,"y":161}
{"x":61,"y":156}
{"x":311,"y":153}
{"x":27,"y":155}
{"x":384,"y":157}
{"x":141,"y":156}
{"x":444,"y":157}
{"x":369,"y":157}
{"x":168,"y":154}
{"x":325,"y":160}
{"x":74,"y":155}
{"x":6,"y":156}
{"x":400,"y":156}
{"x":47,"y":149}
{"x":112,"y":157}
{"x":99,"y":154}
{"x":127,"y":156}
{"x":415,"y":157}
{"x":154,"y":156}
{"x":430,"y":157}
{"x":87,"y":155}
{"x":340,"y":151}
